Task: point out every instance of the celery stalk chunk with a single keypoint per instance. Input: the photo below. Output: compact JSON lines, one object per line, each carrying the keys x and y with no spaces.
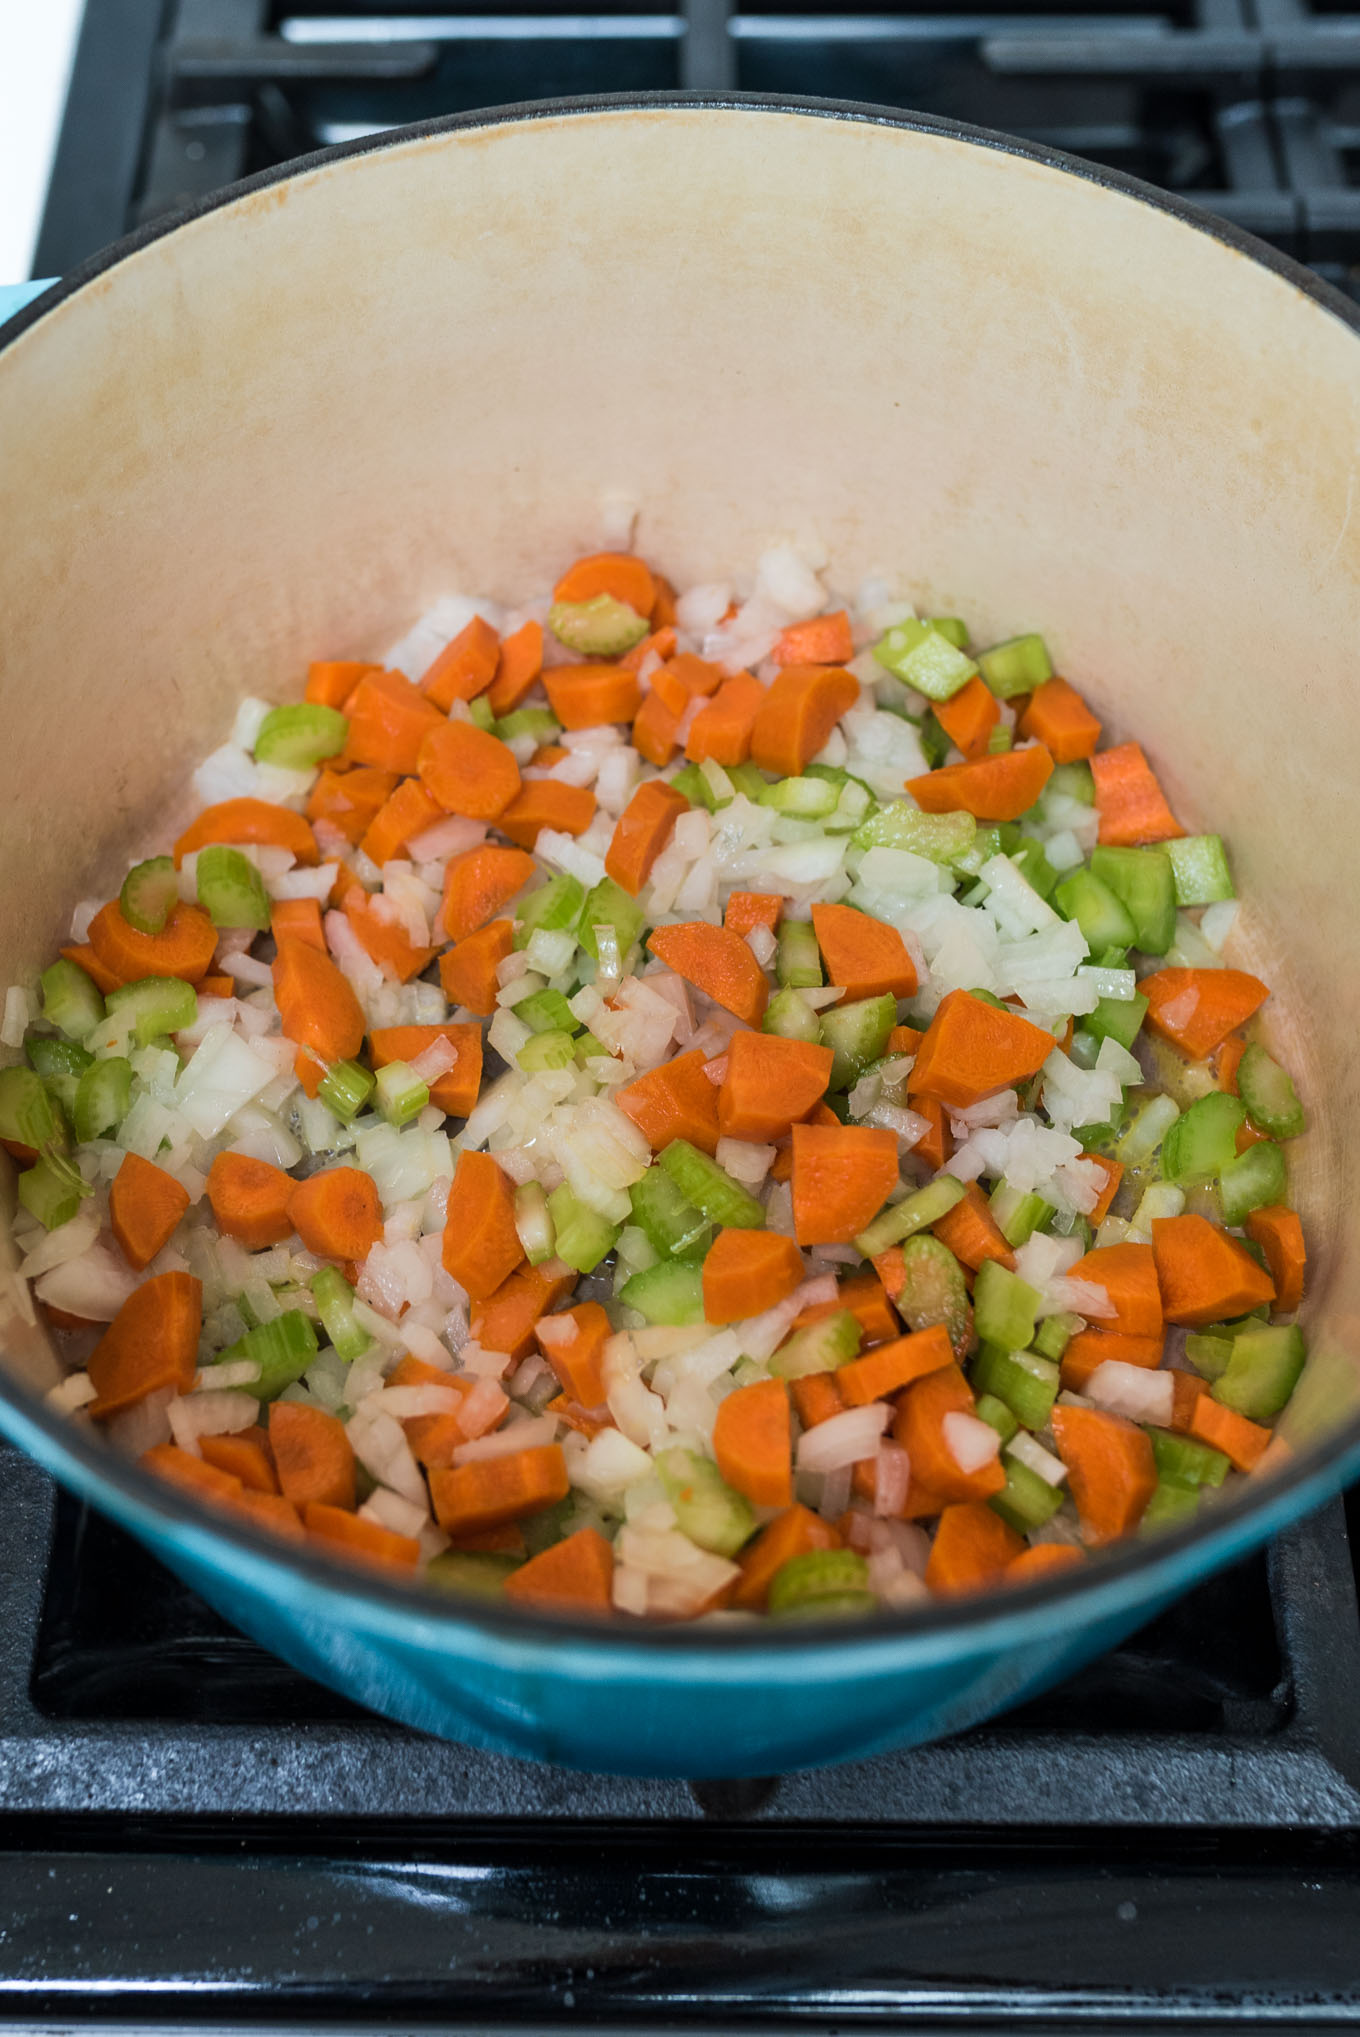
{"x":672,"y":1224}
{"x":70,"y":1001}
{"x":555,"y":907}
{"x":300,"y":735}
{"x":922,"y":657}
{"x":1054,"y":1334}
{"x":1269,"y":1094}
{"x":1256,"y":1179}
{"x":1074,"y":781}
{"x":103,"y":1098}
{"x":939,"y":837}
{"x":706,"y":1507}
{"x":997,"y":1416}
{"x":149,"y":894}
{"x":1101,"y":915}
{"x":334,"y":1299}
{"x":1027,"y":1383}
{"x":1172,"y":1505}
{"x":345,"y":1088}
{"x":1026,"y":1501}
{"x":401,"y":1095}
{"x":1203,"y":1140}
{"x":691,"y":783}
{"x":823,"y":1584}
{"x":542,"y":725}
{"x":857,"y":1035}
{"x":1118,"y":1019}
{"x":27,"y":1113}
{"x":603,"y":627}
{"x":671,"y":1293}
{"x":1200,"y":864}
{"x":805,"y":798}
{"x":704,"y":1183}
{"x":474,"y":1573}
{"x":791,"y":1017}
{"x":533,"y":1222}
{"x":1016,"y":666}
{"x":1262,"y":1371}
{"x":1185,"y":1461}
{"x":798,"y":959}
{"x":546,"y":1011}
{"x":822,"y":1347}
{"x":1145,"y":882}
{"x":53,"y":1190}
{"x":283,"y":1349}
{"x":1005,"y":1307}
{"x":1019,"y":1213}
{"x":582,"y":1236}
{"x":916,"y":1212}
{"x":60,"y":1063}
{"x":231,"y":889}
{"x":609,"y":905}
{"x":159,"y":1005}
{"x":479,"y":713}
{"x":933,"y":1290}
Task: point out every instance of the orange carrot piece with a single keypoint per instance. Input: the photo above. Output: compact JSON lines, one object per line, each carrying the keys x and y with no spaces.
{"x":517,"y":670}
{"x":748,"y":909}
{"x":661,"y":643}
{"x":152,"y":1342}
{"x":467,"y":972}
{"x":576,"y":1417}
{"x":246,"y":1455}
{"x":1247,"y":1136}
{"x":865,"y":1297}
{"x":145,"y":1206}
{"x":312,"y":1455}
{"x":494,"y":1490}
{"x":468,"y":770}
{"x":993,"y":788}
{"x":842,"y":1177}
{"x":747,"y":1272}
{"x":465,"y":667}
{"x":190,"y":1474}
{"x":269,"y":1511}
{"x":655,"y":729}
{"x":904,"y":1040}
{"x":1090,"y":1348}
{"x":1130,"y":802}
{"x":478,"y":884}
{"x":548,"y":754}
{"x":824,"y":640}
{"x":753,"y":1443}
{"x":973,"y":1547}
{"x":919,"y":1427}
{"x":969,"y":718}
{"x":330,"y":681}
{"x":408,"y":811}
{"x":576,"y":1361}
{"x":1196,"y":1009}
{"x":587,"y":696}
{"x":1128,"y":1274}
{"x":642,"y":832}
{"x":1205,"y":1276}
{"x":1059,"y":718}
{"x":1114,"y":1174}
{"x":816,"y":1398}
{"x":685,"y":678}
{"x":433,"y":1438}
{"x":574,"y":1574}
{"x":455,"y":1091}
{"x":296,"y":919}
{"x":972,"y":1232}
{"x":674,"y":1101}
{"x":769,"y":1085}
{"x":863,"y":957}
{"x":249,"y":820}
{"x":213,"y":985}
{"x":1041,"y":1561}
{"x":716,"y":961}
{"x":1242,"y":1442}
{"x":337,"y":1214}
{"x":797,"y":715}
{"x":250,"y":1200}
{"x":316,"y":1003}
{"x":385,"y":941}
{"x":722,"y":730}
{"x":506,"y":1541}
{"x":349,"y":800}
{"x":481,"y":1245}
{"x":543,"y":803}
{"x":621,"y":574}
{"x":795,"y":1532}
{"x":1187,"y":1389}
{"x":103,"y":978}
{"x":883,"y":1372}
{"x":508,"y":1318}
{"x":366,"y":1541}
{"x":1279,"y":1233}
{"x":184,"y":947}
{"x":935,"y":1145}
{"x":1110,"y":1469}
{"x":389,"y":719}
{"x":971,"y":1050}
{"x":1228,"y":1061}
{"x":662,"y":614}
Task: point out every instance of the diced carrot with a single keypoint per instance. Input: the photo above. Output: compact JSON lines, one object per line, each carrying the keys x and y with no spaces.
{"x":753,"y":1443}
{"x":748,"y":909}
{"x":1279,"y":1233}
{"x":330,"y":681}
{"x":576,"y":1359}
{"x":573,"y":1574}
{"x":269,"y":1511}
{"x":365,"y":1540}
{"x":385,"y":939}
{"x":576,"y":1417}
{"x":103,"y":978}
{"x":312,"y":1455}
{"x":1247,"y":1136}
{"x":465,"y":667}
{"x":662,"y":615}
{"x":642,"y":832}
{"x":722,"y":730}
{"x":1110,"y":1469}
{"x":1130,"y":802}
{"x":1227,"y":1062}
{"x":673,"y":1101}
{"x":863,"y":956}
{"x":883,"y":1372}
{"x":1196,"y":1009}
{"x":935,"y":1145}
{"x":969,"y":717}
{"x":213,"y":985}
{"x":255,"y":821}
{"x":1128,"y":1274}
{"x":1187,"y":1390}
{"x":508,"y":1318}
{"x":481,"y":1244}
{"x":434,"y":1438}
{"x":152,"y":1342}
{"x":250,"y":1200}
{"x":337,"y":1214}
{"x":1205,"y":1276}
{"x":747,"y":1272}
{"x":588,"y":696}
{"x":455,"y":1091}
{"x":972,"y":1232}
{"x":296,"y":919}
{"x":518,"y":668}
{"x":246,"y":1455}
{"x":389,"y":719}
{"x":864,"y":1295}
{"x":795,"y":1532}
{"x":1090,"y":1348}
{"x":685,"y":678}
{"x":1041,"y":1561}
{"x":770,"y":1083}
{"x":349,"y":800}
{"x":184,"y":947}
{"x":655,"y":729}
{"x":544,"y":803}
{"x":800,"y":709}
{"x":467,"y":972}
{"x":548,"y":754}
{"x":816,"y":1398}
{"x":842,"y":1176}
{"x":493,"y":1490}
{"x":971,"y":1050}
{"x":317,"y":1005}
{"x":468,"y":770}
{"x":621,"y":574}
{"x":992,"y":788}
{"x":973,"y":1547}
{"x":1242,"y":1442}
{"x":824,"y":640}
{"x":479,"y":883}
{"x":919,"y":1426}
{"x":1113,"y":1171}
{"x":716,"y":961}
{"x":408,"y":811}
{"x":145,"y":1206}
{"x":1059,"y":718}
{"x":659,"y":643}
{"x":190,"y":1474}
{"x":506,"y":1541}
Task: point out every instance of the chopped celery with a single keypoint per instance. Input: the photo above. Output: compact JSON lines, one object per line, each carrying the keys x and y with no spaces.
{"x":582,"y":1236}
{"x":588,"y":1048}
{"x":27,"y":1113}
{"x":691,"y":783}
{"x":1150,"y":1125}
{"x":546,"y":1011}
{"x":1005,"y":1307}
{"x":939,"y":837}
{"x":1029,"y":859}
{"x":401,"y":1095}
{"x":1262,"y":1370}
{"x":603,"y":627}
{"x":103,"y":1098}
{"x":997,"y":1416}
{"x":923,"y":657}
{"x":1256,"y":1179}
{"x":823,"y":1584}
{"x":1183,"y":1461}
{"x":60,"y":1063}
{"x":1101,"y":915}
{"x":999,"y":740}
{"x":935,"y":743}
{"x":1027,"y":1383}
{"x":479,"y":713}
{"x":791,"y":1017}
{"x":748,"y":780}
{"x":1201,"y":870}
{"x":159,"y":1005}
{"x":230,"y":888}
{"x":1017,"y":666}
{"x":1054,"y":1334}
{"x":52,"y":1190}
{"x":706,"y":1507}
{"x":952,"y":628}
{"x":823,"y":1346}
{"x":1018,"y":1214}
{"x":149,"y":894}
{"x":1145,"y":882}
{"x":70,"y":1001}
{"x":345,"y":1088}
{"x":1027,"y":1500}
{"x":538,"y":723}
{"x":1172,"y":1505}
{"x":609,"y":905}
{"x":1209,"y":1353}
{"x":808,"y":798}
{"x":798,"y":963}
{"x":710,"y":1188}
{"x":475,"y":1573}
{"x":857,"y":1035}
{"x":934,"y":1291}
{"x":334,"y":1299}
{"x":671,"y":1292}
{"x":917,"y":1212}
{"x":300,"y":735}
{"x":555,"y":907}
{"x":1073,"y":781}
{"x":1202,"y":1141}
{"x":1269,"y":1094}
{"x":1117,"y":1019}
{"x":283,"y":1349}
{"x":670,"y":1221}
{"x":533,"y":1222}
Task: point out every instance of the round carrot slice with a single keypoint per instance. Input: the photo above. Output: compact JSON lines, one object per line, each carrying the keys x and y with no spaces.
{"x":468,"y":770}
{"x":616,"y":573}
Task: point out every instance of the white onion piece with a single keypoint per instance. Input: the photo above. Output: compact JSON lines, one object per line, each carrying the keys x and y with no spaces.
{"x":1133,"y":1390}
{"x":846,"y":1439}
{"x":970,"y":1442}
{"x":892,"y":1478}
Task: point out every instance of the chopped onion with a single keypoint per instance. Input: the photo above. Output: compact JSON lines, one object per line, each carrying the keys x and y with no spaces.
{"x":845,"y":1439}
{"x":1133,"y":1390}
{"x":1042,"y":1462}
{"x":970,"y":1442}
{"x":892,"y":1478}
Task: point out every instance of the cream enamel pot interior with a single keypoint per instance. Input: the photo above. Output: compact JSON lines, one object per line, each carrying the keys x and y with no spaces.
{"x":1040,"y":396}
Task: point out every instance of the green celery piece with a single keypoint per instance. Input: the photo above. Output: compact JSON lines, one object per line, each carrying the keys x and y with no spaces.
{"x":1209,"y":1354}
{"x":933,"y":1290}
{"x":1256,"y":1179}
{"x":555,"y":908}
{"x":1203,"y":1140}
{"x":986,"y":844}
{"x":791,"y":1017}
{"x":923,"y":658}
{"x":1200,"y":864}
{"x":805,"y":798}
{"x":609,"y":905}
{"x":588,"y":1048}
{"x":710,"y":1188}
{"x":479,"y":713}
{"x":1146,"y":883}
{"x":1027,"y":1383}
{"x":70,"y":1001}
{"x":1118,"y":1019}
{"x":52,"y":1190}
{"x":27,"y":1113}
{"x":857,"y":1035}
{"x":824,"y":1346}
{"x":538,"y":722}
{"x":603,"y":627}
{"x":917,"y":1212}
{"x":300,"y":735}
{"x":798,"y":960}
{"x":159,"y":1005}
{"x":1017,"y":666}
{"x":401,"y":1095}
{"x":1074,"y":781}
{"x":1026,"y":1501}
{"x":60,"y":1063}
{"x":952,"y":628}
{"x":935,"y":740}
{"x":692,"y":785}
{"x":283,"y":1349}
{"x":582,"y":1237}
{"x":668,"y":1219}
{"x":473,"y":1573}
{"x":939,"y":837}
{"x":853,"y":804}
{"x":1269,"y":1094}
{"x":103,"y":1099}
{"x":997,"y":1416}
{"x":671,"y":1292}
{"x":334,"y":1299}
{"x":149,"y":894}
{"x":823,"y":1584}
{"x":1029,"y":859}
{"x":1005,"y":1307}
{"x":1262,"y":1371}
{"x":1054,"y":1334}
{"x":999,"y":740}
{"x":1183,"y":1461}
{"x":533,"y":1222}
{"x":546,"y":1011}
{"x":1172,"y":1505}
{"x":1101,"y":915}
{"x":1148,"y":1128}
{"x":345,"y":1088}
{"x":706,"y":1508}
{"x":230,"y":888}
{"x":1018,"y":1214}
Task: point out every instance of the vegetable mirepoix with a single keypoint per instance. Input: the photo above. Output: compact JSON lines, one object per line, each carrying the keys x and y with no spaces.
{"x":663,"y":1106}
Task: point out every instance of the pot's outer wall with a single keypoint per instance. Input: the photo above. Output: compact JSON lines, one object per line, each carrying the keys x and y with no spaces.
{"x":279,"y":431}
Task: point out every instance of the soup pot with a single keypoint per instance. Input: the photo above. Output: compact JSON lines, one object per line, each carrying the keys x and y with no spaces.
{"x":1028,"y":390}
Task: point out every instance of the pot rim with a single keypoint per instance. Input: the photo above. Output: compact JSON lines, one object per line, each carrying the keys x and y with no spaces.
{"x":991,"y":1618}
